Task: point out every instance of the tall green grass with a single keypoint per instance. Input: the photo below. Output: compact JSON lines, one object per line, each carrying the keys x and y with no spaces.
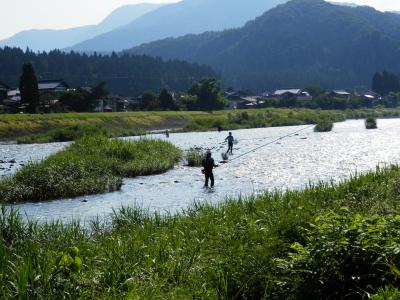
{"x":323,"y":126}
{"x":90,"y":165}
{"x":325,"y":242}
{"x":194,"y":157}
{"x":75,"y":132}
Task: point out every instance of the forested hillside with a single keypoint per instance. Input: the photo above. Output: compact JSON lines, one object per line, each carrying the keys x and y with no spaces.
{"x":126,"y":74}
{"x":296,"y":43}
{"x":177,"y":19}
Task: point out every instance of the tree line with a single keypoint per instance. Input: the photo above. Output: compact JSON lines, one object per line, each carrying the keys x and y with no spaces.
{"x":205,"y":94}
{"x":385,"y":83}
{"x":125,"y":74}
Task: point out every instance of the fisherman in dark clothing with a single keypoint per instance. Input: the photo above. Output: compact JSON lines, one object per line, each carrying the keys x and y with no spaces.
{"x":230,"y":140}
{"x":208,"y":165}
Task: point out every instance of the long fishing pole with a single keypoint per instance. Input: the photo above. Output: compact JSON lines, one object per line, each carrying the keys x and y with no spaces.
{"x":267,"y":144}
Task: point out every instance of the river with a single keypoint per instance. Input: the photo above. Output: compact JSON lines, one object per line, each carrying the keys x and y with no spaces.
{"x":290,"y":163}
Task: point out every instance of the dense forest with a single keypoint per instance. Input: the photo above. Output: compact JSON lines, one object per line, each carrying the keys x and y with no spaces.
{"x":294,"y":44}
{"x":127,"y":75}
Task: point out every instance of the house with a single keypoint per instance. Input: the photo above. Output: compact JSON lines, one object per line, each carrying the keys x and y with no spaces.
{"x":300,"y":94}
{"x":248,"y":102}
{"x":13,"y":100}
{"x":370,"y":98}
{"x":52,"y":87}
{"x":14,"y":96}
{"x":342,"y":94}
{"x":111,"y":103}
{"x":235,"y":98}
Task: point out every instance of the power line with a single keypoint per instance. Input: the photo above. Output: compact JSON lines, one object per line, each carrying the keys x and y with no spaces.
{"x":269,"y":143}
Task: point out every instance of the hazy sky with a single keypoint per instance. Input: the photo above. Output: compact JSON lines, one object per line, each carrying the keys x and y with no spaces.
{"x":17,"y":15}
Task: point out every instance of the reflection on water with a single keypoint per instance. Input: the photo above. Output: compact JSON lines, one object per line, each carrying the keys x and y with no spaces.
{"x":289,"y":163}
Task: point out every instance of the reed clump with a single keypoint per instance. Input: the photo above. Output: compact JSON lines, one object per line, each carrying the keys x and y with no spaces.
{"x":371,"y":123}
{"x":91,"y":165}
{"x":324,"y":125}
{"x":194,"y":157}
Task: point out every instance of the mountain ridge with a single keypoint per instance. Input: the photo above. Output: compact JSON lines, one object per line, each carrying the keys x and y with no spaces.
{"x":293,"y":44}
{"x":177,"y":19}
{"x":49,"y":39}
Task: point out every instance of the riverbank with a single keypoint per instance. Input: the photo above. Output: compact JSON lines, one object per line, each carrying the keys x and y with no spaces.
{"x":64,"y":127}
{"x":91,"y":165}
{"x":322,"y":242}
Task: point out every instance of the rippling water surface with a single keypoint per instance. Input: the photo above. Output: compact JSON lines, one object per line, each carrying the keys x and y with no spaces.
{"x":292,"y":163}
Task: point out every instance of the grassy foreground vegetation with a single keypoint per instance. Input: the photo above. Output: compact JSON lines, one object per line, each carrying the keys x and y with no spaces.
{"x":55,"y":127}
{"x":325,"y":242}
{"x":90,"y":165}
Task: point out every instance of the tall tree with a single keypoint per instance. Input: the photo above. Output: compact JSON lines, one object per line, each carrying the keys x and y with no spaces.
{"x":209,"y":94}
{"x":314,"y":89}
{"x":377,"y":83}
{"x":166,"y":100}
{"x":149,"y":101}
{"x":28,"y":87}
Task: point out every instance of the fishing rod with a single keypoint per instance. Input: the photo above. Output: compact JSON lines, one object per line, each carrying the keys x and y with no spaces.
{"x":267,"y":144}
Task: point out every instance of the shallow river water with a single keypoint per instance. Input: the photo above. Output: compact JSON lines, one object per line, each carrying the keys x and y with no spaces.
{"x":292,"y":162}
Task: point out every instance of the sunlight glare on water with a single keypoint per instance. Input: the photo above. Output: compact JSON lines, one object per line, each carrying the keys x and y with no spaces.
{"x":290,"y":163}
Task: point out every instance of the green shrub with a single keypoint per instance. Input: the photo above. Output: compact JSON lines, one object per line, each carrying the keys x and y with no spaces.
{"x":323,"y":126}
{"x":387,"y":293}
{"x":370,"y":123}
{"x":194,"y":157}
{"x":342,"y":252}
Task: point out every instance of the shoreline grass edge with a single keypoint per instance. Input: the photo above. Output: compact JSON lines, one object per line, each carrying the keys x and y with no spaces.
{"x":326,"y":241}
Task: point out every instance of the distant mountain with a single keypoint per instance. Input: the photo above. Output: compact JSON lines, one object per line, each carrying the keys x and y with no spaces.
{"x":125,"y":75}
{"x":173,"y":20}
{"x":293,"y":44}
{"x":48,"y":39}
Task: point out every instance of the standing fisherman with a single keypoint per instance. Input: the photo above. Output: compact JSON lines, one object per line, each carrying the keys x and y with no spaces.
{"x":208,"y":165}
{"x":230,"y":140}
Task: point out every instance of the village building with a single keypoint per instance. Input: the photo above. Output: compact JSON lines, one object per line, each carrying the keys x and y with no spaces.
{"x":111,"y":103}
{"x":248,"y":102}
{"x":53,"y":87}
{"x":300,"y":94}
{"x":342,"y":94}
{"x":234,"y":98}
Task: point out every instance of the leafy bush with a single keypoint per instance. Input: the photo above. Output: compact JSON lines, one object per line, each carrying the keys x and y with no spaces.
{"x":194,"y":157}
{"x":387,"y":293}
{"x":370,"y":123}
{"x":323,"y":126}
{"x":343,"y":252}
